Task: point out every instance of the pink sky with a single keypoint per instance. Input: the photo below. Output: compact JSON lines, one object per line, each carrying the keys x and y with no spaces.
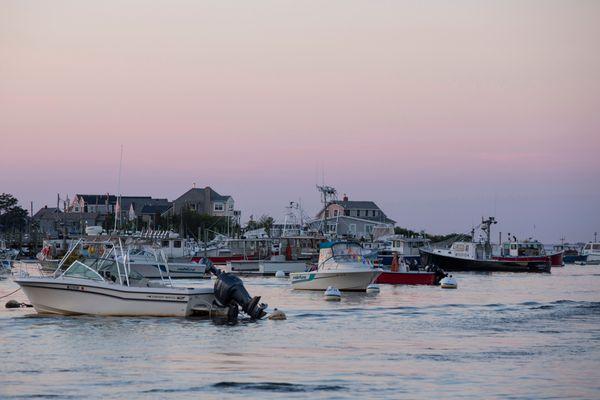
{"x":440,"y":112}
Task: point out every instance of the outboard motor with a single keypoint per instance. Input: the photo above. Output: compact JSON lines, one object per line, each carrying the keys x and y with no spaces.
{"x":230,"y":292}
{"x":439,"y":273}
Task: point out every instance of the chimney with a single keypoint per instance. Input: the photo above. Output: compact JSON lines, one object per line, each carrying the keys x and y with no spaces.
{"x":345,"y":197}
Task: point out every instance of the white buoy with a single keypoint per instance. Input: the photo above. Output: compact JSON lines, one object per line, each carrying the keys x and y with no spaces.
{"x":277,"y":315}
{"x":279,"y":274}
{"x":332,"y":294}
{"x":449,"y":283}
{"x":373,"y":288}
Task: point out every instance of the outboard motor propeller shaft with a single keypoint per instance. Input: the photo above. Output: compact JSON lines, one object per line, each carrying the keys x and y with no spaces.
{"x":230,"y":291}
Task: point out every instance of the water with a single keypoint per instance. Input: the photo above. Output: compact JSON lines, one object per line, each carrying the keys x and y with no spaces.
{"x":497,"y":336}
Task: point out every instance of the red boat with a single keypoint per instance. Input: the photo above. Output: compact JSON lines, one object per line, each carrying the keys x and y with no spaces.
{"x":529,"y":251}
{"x":406,"y":277}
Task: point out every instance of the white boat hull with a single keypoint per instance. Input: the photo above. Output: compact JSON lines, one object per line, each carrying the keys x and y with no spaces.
{"x":342,"y":280}
{"x":76,"y":297}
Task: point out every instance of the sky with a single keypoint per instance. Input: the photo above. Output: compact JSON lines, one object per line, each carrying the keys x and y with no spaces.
{"x":440,"y":112}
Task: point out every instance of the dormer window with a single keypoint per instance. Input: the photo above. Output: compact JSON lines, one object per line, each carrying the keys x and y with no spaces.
{"x":218,"y":207}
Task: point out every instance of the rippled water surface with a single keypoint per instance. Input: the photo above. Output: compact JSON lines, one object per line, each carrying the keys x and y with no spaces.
{"x":501,"y":335}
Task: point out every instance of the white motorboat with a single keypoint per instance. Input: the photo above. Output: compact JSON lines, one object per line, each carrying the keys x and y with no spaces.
{"x":341,"y":265}
{"x":105,"y":286}
{"x":592,"y":253}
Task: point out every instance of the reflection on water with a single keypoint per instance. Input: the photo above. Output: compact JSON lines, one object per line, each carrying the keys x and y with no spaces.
{"x":500,"y":335}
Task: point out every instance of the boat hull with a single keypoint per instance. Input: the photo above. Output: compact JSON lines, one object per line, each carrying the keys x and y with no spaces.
{"x":406,"y":278}
{"x":342,"y":280}
{"x":574,"y":258}
{"x":450,"y":263}
{"x":78,"y":297}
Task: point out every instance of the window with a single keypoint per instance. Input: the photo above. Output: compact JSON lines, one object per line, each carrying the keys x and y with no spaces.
{"x":352,"y":229}
{"x":177,"y":244}
{"x":347,"y":213}
{"x":230,"y":207}
{"x":165,"y":243}
{"x":332,"y":227}
{"x":218,"y":207}
{"x":596,"y":247}
{"x":587,"y":246}
{"x":368,"y":229}
{"x":335,"y":213}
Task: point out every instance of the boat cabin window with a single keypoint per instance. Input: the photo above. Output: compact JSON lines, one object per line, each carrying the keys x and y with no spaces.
{"x":82,"y":271}
{"x":177,"y":244}
{"x":459,"y":247}
{"x":596,"y":247}
{"x":165,"y":243}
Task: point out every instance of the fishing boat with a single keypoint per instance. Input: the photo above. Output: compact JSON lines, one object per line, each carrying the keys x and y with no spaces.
{"x":400,"y":273}
{"x":407,"y":249}
{"x":341,"y":265}
{"x":592,"y":253}
{"x":106,"y":286}
{"x":529,"y":251}
{"x":571,"y":253}
{"x":478,"y":256}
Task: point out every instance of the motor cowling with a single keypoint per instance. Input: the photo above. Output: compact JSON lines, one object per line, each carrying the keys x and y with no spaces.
{"x":229,"y":291}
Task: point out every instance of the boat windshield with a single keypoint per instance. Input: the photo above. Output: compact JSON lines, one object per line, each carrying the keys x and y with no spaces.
{"x":347,"y":252}
{"x":81,"y":271}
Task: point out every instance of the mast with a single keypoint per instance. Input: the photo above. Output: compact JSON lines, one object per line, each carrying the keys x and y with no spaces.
{"x":328,"y":194}
{"x":118,"y":205}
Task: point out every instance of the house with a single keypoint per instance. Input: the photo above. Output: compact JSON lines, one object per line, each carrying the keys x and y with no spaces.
{"x":205,"y":201}
{"x":351,"y":219}
{"x":366,"y":210}
{"x":53,"y":222}
{"x":103,"y":204}
{"x":151,"y":213}
{"x":100,"y":203}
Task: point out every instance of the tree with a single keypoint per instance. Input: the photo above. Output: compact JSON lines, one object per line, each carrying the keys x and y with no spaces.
{"x":12,"y":216}
{"x":434,"y":238}
{"x":265,"y":221}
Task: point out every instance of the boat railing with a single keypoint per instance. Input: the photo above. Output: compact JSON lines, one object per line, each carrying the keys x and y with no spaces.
{"x":67,"y":255}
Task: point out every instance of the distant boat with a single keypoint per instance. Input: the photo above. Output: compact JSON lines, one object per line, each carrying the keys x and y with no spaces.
{"x":571,"y":253}
{"x":341,"y":265}
{"x":529,"y":251}
{"x":402,"y":274}
{"x":477,"y":256}
{"x":592,"y":253}
{"x":406,"y":248}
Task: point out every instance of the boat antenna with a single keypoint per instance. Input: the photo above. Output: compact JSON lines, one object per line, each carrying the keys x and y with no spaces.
{"x":118,"y":205}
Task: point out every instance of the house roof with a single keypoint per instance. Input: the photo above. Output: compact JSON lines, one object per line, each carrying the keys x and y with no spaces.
{"x":98,"y":198}
{"x":155,"y":208}
{"x":362,"y":205}
{"x":356,"y":205}
{"x":214,"y":196}
{"x":46,"y":212}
